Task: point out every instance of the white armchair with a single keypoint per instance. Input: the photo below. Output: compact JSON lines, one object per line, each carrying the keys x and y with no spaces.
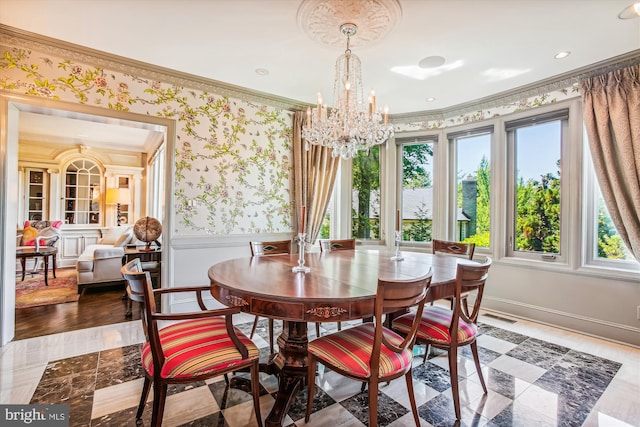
{"x":101,"y":263}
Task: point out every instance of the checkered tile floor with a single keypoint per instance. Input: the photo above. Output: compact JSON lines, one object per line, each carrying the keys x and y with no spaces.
{"x":532,"y":382}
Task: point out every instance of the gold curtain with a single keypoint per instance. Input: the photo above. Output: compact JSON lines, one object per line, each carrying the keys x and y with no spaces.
{"x":314,"y":173}
{"x":612,"y":119}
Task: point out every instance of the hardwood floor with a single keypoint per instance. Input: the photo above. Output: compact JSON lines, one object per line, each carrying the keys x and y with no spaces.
{"x":96,"y":307}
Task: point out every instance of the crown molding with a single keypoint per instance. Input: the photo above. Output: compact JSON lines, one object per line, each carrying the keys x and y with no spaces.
{"x":28,"y":40}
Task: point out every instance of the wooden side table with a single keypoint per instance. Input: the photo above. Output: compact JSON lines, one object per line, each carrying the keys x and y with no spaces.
{"x":151,"y":261}
{"x":45,"y":252}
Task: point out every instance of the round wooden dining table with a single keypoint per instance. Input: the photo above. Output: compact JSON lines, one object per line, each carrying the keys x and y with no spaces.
{"x":340,"y":286}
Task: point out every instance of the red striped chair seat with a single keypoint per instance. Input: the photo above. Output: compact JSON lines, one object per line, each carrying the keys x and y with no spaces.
{"x":196,"y":347}
{"x":350,"y":350}
{"x":434,"y":326}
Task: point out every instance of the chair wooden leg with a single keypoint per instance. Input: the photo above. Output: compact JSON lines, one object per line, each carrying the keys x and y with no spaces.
{"x":453,"y":370}
{"x":255,"y":391}
{"x":159,"y":397}
{"x":143,"y":399}
{"x":339,"y":326}
{"x":253,"y":328}
{"x":426,"y":354}
{"x":373,"y":403}
{"x":311,"y":385}
{"x":412,"y":397}
{"x":317,"y":329}
{"x":271,"y":341}
{"x":476,"y":359}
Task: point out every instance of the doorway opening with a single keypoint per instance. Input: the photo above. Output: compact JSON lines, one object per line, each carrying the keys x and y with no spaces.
{"x":133,"y":149}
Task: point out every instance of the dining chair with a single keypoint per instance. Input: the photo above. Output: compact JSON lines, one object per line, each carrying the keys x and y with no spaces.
{"x":277,"y":247}
{"x":370,"y":352}
{"x":337,"y":245}
{"x":330,"y":246}
{"x":196,"y":346}
{"x":464,"y":250}
{"x":450,"y":329}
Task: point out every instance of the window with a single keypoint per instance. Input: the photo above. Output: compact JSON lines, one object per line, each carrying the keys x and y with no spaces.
{"x":605,"y":247}
{"x":535,"y":187}
{"x":365,"y":208}
{"x":325,"y":228}
{"x":472,"y":183}
{"x":155,"y":193}
{"x":416,"y":193}
{"x":608,"y":242}
{"x":82,"y":193}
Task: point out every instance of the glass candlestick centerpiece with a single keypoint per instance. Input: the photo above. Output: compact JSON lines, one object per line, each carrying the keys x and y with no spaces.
{"x":398,"y":238}
{"x":301,"y":267}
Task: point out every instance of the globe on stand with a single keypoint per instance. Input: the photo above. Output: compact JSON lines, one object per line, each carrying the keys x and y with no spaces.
{"x":148,"y":230}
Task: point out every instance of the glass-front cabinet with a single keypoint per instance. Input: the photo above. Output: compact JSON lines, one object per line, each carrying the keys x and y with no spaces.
{"x":36,"y":201}
{"x":82,"y":193}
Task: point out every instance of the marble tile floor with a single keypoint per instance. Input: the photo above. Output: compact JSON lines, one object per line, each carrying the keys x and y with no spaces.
{"x":536,"y":375}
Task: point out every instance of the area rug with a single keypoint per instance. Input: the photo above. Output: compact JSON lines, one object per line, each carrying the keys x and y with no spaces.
{"x":33,"y":293}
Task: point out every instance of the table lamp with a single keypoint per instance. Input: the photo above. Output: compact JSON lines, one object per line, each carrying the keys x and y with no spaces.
{"x":118,"y":196}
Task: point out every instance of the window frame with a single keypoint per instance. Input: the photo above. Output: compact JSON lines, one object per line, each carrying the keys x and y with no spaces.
{"x":345,"y":177}
{"x":155,"y":191}
{"x":562,"y":113}
{"x":437,"y":193}
{"x":452,"y":143}
{"x":576,"y":194}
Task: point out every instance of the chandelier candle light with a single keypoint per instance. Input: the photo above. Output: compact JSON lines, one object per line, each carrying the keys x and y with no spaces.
{"x":351,"y":125}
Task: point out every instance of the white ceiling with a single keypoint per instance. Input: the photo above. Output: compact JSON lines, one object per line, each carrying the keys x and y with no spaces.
{"x":67,"y":128}
{"x":490,"y":46}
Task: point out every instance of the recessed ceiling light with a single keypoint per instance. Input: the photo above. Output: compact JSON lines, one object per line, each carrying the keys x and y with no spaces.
{"x":632,"y":11}
{"x":562,"y":54}
{"x":262,"y":71}
{"x":431,"y":62}
{"x":430,"y":99}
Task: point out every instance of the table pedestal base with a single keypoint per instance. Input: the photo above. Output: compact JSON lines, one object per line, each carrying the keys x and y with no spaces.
{"x":291,"y":365}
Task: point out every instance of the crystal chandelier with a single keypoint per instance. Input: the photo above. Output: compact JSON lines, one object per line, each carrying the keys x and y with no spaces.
{"x":351,"y":125}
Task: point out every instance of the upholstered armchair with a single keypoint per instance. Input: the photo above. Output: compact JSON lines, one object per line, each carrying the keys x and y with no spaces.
{"x":101,"y":263}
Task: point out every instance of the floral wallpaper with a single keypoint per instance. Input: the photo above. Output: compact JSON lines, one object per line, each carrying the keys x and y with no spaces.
{"x":233,"y":157}
{"x":489,"y":113}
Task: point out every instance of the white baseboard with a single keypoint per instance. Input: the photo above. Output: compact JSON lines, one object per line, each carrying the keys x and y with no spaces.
{"x":611,"y":331}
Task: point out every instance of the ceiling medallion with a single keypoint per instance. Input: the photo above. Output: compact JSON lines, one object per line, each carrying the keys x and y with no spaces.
{"x":373,"y":18}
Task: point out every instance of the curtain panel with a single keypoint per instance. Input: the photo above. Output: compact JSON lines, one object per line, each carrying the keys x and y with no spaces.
{"x":314,"y":173}
{"x":612,"y":119}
